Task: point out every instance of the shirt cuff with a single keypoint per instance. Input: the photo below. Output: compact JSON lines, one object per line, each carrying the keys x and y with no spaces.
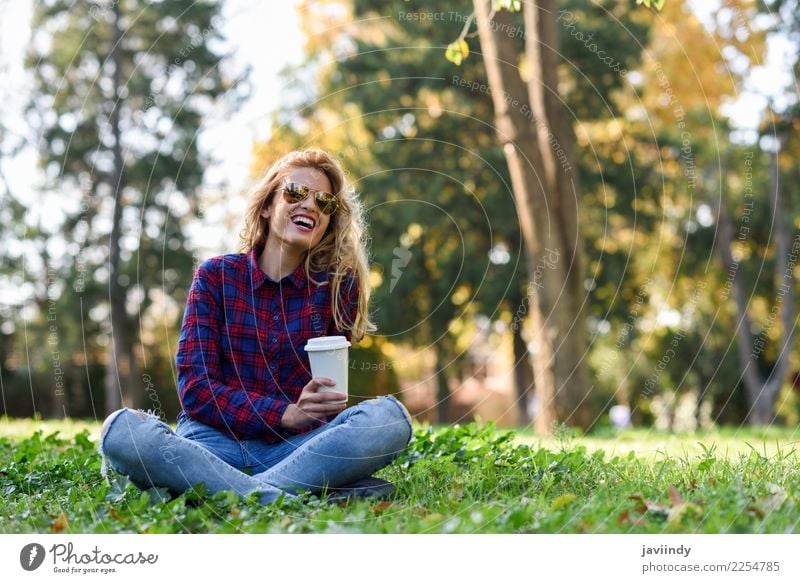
{"x":277,"y":409}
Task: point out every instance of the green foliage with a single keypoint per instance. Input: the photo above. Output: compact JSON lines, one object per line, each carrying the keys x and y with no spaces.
{"x":118,"y":112}
{"x":510,"y":5}
{"x":654,"y":4}
{"x":463,"y":479}
{"x":432,"y":171}
{"x":428,"y":168}
{"x":457,"y":51}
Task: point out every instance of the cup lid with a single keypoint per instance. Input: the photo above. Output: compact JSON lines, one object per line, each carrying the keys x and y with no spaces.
{"x":326,"y":343}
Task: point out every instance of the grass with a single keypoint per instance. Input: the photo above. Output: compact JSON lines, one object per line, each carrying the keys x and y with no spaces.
{"x":456,"y":479}
{"x":729,"y":442}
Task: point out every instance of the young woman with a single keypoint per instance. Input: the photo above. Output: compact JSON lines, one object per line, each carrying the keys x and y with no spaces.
{"x":253,"y":420}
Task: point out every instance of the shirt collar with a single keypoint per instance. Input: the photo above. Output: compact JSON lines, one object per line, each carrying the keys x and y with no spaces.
{"x":258,"y":277}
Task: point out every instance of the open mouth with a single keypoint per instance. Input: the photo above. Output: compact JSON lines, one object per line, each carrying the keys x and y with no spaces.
{"x":304,"y":222}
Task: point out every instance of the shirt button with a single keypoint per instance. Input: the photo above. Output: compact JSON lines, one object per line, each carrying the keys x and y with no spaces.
{"x":272,"y":365}
{"x":274,"y":340}
{"x":275,"y":317}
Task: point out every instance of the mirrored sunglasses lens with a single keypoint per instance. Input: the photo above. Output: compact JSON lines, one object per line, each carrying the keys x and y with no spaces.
{"x":292,"y":193}
{"x":327,"y":203}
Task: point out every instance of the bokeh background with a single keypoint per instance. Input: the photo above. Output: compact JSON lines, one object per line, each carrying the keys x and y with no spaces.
{"x":639,"y":269}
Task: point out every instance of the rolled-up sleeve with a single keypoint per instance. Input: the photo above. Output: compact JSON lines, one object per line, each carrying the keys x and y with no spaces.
{"x":241,"y":410}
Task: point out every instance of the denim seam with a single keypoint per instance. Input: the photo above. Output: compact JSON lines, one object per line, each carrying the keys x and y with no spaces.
{"x":245,"y":453}
{"x":215,"y":460}
{"x":405,"y":415}
{"x":295,"y":457}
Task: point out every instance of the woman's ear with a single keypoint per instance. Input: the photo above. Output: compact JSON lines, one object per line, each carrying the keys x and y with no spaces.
{"x":265,"y":210}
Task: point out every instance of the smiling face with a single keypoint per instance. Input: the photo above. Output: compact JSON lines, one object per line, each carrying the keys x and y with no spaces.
{"x":297,"y":227}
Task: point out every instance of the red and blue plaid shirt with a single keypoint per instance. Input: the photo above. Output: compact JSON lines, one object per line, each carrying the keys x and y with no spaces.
{"x":240,"y":355}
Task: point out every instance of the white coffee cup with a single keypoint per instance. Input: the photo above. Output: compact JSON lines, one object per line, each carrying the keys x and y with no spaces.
{"x":330,"y":357}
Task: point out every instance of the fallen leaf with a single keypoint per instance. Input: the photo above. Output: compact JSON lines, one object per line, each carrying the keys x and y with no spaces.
{"x":641,"y":507}
{"x":648,"y":505}
{"x":60,"y":523}
{"x":756,"y":510}
{"x":675,"y":496}
{"x":381,"y":507}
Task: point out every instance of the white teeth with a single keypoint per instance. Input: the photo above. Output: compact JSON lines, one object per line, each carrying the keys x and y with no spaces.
{"x":305,"y":221}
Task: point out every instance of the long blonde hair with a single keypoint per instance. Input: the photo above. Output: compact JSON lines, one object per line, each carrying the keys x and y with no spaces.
{"x":343,"y":248}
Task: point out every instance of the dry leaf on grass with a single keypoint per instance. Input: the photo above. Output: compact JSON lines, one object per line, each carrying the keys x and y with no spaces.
{"x":60,"y":523}
{"x":381,"y":507}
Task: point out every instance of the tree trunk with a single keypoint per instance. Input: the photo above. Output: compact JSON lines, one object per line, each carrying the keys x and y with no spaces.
{"x":136,"y":392}
{"x":763,"y":409}
{"x":744,"y":340}
{"x":538,"y":155}
{"x":117,"y":350}
{"x":762,"y":393}
{"x":523,"y":371}
{"x":442,"y":386}
{"x":556,"y":147}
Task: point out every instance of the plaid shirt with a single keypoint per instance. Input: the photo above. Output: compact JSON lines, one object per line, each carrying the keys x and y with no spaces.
{"x":240,"y":355}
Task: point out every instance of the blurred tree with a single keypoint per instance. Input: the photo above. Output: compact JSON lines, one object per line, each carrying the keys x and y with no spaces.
{"x":765,"y":356}
{"x":534,"y":128}
{"x":762,"y":389}
{"x":425,"y":164}
{"x":404,"y":131}
{"x":120,"y":91}
{"x":711,"y":199}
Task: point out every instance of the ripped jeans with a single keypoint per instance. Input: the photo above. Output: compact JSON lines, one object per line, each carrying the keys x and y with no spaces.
{"x":359,"y":441}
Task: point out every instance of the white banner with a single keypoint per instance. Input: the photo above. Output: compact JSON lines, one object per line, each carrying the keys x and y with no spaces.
{"x":401,"y":558}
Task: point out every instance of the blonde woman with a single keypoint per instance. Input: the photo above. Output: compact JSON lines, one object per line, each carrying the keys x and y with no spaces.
{"x":253,"y":420}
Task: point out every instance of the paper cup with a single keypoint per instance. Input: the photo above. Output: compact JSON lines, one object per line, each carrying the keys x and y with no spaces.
{"x":330,"y":357}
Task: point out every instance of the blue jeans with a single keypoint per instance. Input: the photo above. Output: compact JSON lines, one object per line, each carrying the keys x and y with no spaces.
{"x":359,"y":441}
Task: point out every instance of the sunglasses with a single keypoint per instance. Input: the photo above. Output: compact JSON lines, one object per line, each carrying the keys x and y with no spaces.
{"x":327,"y":202}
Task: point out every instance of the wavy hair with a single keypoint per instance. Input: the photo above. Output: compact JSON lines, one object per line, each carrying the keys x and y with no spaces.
{"x":342,"y":249}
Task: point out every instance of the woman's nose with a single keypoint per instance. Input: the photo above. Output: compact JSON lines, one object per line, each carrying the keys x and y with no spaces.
{"x":309,"y":204}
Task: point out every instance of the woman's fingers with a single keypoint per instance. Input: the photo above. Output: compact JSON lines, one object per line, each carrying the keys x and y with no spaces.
{"x":324,"y":397}
{"x":317,"y":382}
{"x":322,"y":406}
{"x":317,"y":405}
{"x":320,"y":415}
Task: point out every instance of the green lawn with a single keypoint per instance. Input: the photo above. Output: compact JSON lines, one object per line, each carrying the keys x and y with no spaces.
{"x":461,"y":479}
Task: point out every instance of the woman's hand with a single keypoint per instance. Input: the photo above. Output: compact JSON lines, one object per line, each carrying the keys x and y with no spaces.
{"x":312,"y":405}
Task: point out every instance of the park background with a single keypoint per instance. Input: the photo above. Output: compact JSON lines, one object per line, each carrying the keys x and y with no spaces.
{"x":584,"y":237}
{"x":652,"y":274}
{"x":665,"y":276}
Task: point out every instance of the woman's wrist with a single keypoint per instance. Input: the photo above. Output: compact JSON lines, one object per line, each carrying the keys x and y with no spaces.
{"x":289,"y":416}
